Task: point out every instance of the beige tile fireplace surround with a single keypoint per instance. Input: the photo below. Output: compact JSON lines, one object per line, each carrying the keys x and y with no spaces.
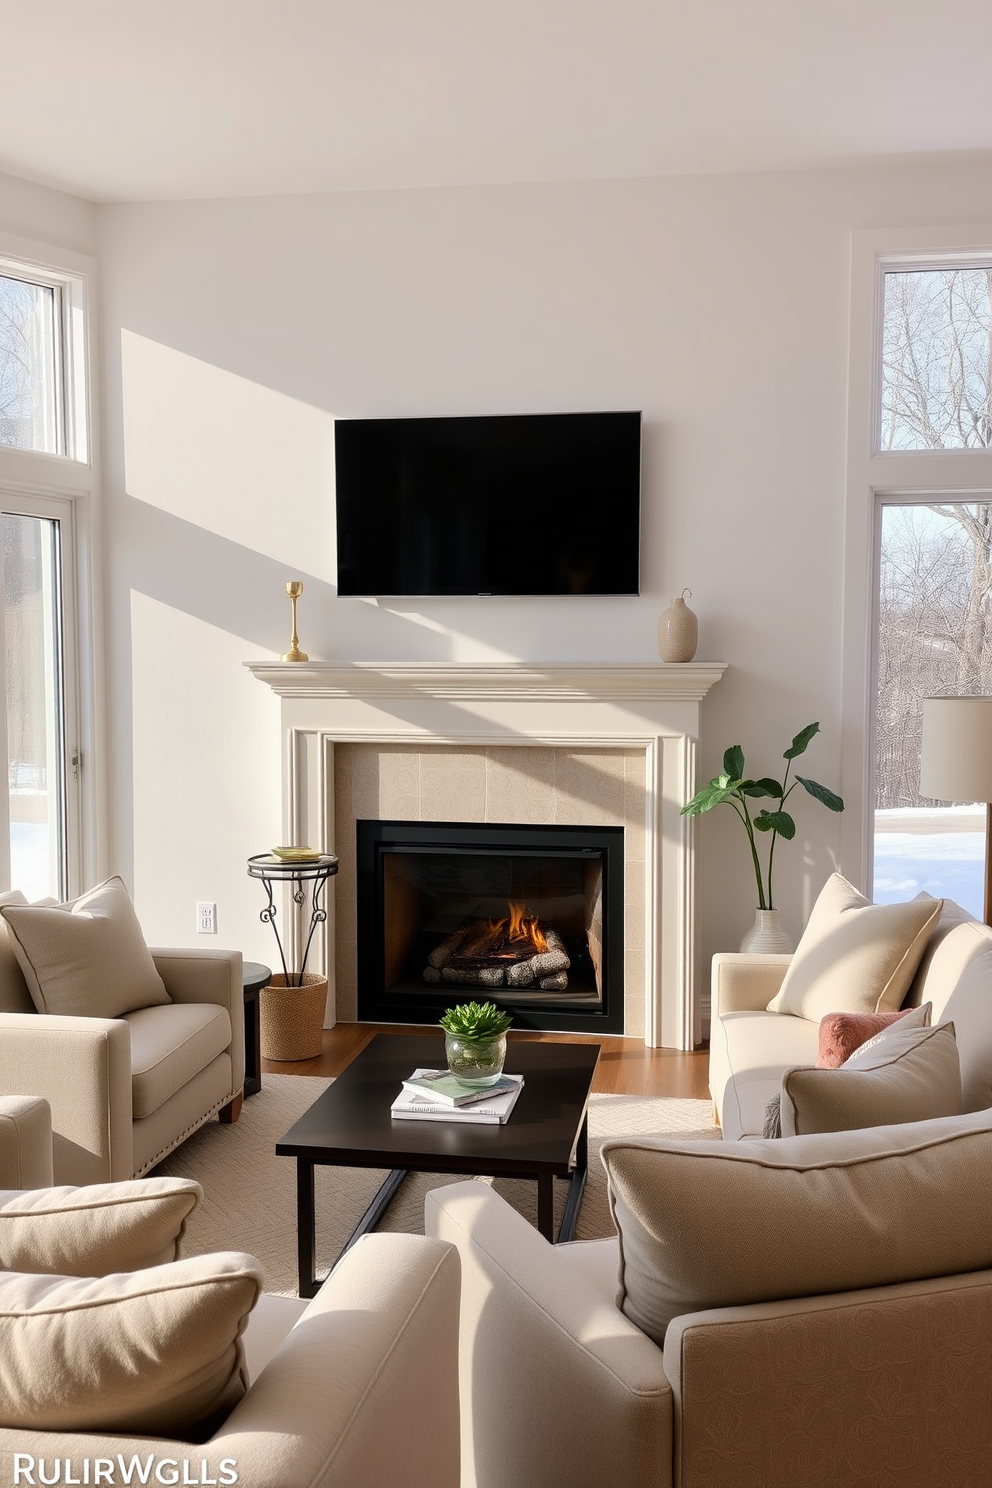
{"x":509,"y":742}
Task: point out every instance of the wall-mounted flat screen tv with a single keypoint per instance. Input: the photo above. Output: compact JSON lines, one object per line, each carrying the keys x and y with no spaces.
{"x":544,"y":503}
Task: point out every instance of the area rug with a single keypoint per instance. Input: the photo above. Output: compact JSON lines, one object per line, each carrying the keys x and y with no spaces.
{"x":249,"y":1194}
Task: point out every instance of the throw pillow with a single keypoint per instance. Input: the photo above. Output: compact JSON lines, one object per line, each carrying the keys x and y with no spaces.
{"x":855,"y":956}
{"x":842,"y":1033}
{"x":917,"y":1017}
{"x":156,"y":1352}
{"x":98,"y":1229}
{"x":866,"y":1027}
{"x":911,"y":1074}
{"x":707,"y":1224}
{"x":87,"y":958}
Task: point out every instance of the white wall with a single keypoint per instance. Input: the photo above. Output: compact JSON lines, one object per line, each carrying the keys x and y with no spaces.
{"x":235,"y":331}
{"x":46,"y":216}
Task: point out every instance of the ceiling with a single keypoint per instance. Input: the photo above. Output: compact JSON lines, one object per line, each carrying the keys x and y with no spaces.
{"x":124,"y":100}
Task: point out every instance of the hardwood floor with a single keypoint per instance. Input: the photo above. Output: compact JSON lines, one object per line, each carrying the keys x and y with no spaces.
{"x":626,"y":1066}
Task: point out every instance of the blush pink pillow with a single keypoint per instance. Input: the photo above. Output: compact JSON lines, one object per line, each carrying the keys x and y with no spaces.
{"x":842,"y":1033}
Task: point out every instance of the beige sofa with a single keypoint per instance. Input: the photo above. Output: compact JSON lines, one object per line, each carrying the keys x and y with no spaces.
{"x":357,"y":1387}
{"x":124,"y":1091}
{"x":750,"y":1048}
{"x":882,"y":1385}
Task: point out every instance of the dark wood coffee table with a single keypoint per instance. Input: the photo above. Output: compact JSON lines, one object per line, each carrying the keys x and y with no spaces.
{"x":350,"y":1126}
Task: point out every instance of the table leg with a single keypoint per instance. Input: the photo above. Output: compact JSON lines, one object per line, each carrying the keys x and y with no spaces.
{"x":546,"y":1205}
{"x":306,"y":1240}
{"x":576,"y":1186}
{"x":377,"y":1208}
{"x":306,"y":1221}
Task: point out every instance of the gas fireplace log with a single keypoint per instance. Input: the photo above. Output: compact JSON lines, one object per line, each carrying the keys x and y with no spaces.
{"x":555,"y":958}
{"x":556,"y":983}
{"x":548,"y":967}
{"x":444,"y":952}
{"x":485,"y":976}
{"x":545,"y":963}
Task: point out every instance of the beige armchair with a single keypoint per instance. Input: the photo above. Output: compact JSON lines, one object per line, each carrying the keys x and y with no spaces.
{"x":125,"y":1091}
{"x":559,"y":1389}
{"x":357,"y":1387}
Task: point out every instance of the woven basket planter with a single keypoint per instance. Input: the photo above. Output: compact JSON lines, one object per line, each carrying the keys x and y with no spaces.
{"x":292,"y":1018}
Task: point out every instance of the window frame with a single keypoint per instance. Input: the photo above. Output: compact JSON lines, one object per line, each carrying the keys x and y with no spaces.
{"x":60,"y":509}
{"x":71,"y":382}
{"x":66,"y":485}
{"x":875,"y":478}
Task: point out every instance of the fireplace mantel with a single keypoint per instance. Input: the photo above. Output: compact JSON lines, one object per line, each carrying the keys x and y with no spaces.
{"x":650,"y":708}
{"x":493,"y":681}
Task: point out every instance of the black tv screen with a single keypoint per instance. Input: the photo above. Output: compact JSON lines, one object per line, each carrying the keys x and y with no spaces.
{"x":544,"y":503}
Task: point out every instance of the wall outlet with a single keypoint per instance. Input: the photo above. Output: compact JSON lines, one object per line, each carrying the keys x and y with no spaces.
{"x":206,"y":919}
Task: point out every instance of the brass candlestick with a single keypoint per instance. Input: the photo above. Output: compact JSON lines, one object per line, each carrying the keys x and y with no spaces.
{"x":294,"y":589}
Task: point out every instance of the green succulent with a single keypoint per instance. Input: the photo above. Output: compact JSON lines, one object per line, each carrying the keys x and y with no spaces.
{"x":476,"y":1022}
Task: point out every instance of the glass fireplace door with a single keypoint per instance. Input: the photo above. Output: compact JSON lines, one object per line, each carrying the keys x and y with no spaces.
{"x":527,"y":917}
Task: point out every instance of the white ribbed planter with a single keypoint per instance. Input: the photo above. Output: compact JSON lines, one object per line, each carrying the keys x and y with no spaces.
{"x":766,"y":936}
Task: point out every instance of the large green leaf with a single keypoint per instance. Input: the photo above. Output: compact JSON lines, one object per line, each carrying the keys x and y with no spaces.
{"x":801,"y":741}
{"x":711,"y":795}
{"x":832,"y":801}
{"x":763,"y":787}
{"x":776,"y":821}
{"x":733,"y":762}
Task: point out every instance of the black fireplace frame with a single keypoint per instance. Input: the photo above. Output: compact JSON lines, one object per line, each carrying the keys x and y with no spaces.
{"x":377,"y":1005}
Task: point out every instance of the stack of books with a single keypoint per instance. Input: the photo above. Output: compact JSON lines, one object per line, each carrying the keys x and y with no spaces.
{"x":435,"y":1095}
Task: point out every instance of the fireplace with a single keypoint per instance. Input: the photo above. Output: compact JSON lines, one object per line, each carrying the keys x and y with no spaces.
{"x":609,"y":743}
{"x":529,"y":917}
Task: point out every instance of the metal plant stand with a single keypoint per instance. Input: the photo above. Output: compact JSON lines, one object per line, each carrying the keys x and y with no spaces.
{"x":308,"y":881}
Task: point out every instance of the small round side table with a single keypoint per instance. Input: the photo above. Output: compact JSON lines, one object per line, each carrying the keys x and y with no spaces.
{"x":309,"y":875}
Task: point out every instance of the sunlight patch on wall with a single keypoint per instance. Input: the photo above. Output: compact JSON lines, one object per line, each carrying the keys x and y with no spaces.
{"x":460,"y":644}
{"x":234,"y":457}
{"x":207,"y":783}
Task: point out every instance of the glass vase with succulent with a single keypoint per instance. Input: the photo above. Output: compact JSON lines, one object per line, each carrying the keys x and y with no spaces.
{"x":733,"y":788}
{"x":475,"y":1042}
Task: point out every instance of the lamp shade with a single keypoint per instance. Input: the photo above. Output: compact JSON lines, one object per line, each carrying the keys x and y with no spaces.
{"x":956,"y":757}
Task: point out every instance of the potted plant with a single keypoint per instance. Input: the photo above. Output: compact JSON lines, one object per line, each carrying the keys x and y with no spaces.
{"x":731,"y":787}
{"x":475,"y":1042}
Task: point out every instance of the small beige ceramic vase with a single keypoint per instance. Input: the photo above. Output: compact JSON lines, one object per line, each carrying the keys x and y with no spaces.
{"x":678,"y":631}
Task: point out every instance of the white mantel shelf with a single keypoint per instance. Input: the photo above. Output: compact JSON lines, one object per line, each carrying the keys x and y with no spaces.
{"x":492,"y":680}
{"x":654,"y":708}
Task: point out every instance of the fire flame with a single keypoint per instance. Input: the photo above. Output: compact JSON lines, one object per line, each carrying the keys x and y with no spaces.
{"x":524,"y":926}
{"x":519,"y":928}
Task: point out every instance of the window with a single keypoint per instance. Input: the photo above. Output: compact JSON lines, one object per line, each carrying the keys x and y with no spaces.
{"x":936,"y":373}
{"x":45,"y":487}
{"x":29,"y":381}
{"x":42,"y":387}
{"x":34,"y":668}
{"x":919,"y":547}
{"x":934,"y":637}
